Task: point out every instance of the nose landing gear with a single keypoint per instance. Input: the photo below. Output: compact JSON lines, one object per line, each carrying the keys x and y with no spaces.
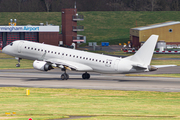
{"x":18,"y":65}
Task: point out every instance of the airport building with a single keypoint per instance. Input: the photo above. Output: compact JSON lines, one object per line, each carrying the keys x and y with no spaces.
{"x":168,"y":32}
{"x":48,"y":34}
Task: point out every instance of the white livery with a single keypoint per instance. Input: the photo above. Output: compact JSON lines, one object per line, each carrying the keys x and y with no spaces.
{"x":47,"y":56}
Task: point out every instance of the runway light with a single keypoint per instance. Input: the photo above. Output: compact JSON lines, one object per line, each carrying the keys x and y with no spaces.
{"x":27,"y":92}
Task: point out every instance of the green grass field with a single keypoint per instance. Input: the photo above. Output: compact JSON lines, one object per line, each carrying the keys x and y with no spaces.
{"x":100,"y":26}
{"x":44,"y":103}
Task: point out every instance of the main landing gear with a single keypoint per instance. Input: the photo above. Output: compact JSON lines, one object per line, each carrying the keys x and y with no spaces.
{"x":85,"y":75}
{"x":18,"y":65}
{"x":64,"y":76}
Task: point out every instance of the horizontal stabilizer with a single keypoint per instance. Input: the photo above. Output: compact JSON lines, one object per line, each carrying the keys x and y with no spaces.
{"x":162,"y":66}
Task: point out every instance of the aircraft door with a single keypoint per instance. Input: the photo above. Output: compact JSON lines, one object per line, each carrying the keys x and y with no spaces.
{"x":116,"y":63}
{"x":20,"y":46}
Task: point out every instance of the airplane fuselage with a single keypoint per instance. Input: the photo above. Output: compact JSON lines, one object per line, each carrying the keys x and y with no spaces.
{"x":96,"y":62}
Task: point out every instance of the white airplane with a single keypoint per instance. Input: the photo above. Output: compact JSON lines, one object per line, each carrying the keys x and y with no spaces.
{"x":47,"y":56}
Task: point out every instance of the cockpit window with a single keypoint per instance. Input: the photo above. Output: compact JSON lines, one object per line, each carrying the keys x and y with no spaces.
{"x":11,"y":44}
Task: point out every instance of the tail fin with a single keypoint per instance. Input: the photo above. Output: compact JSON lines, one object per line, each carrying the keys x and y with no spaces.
{"x":145,"y":53}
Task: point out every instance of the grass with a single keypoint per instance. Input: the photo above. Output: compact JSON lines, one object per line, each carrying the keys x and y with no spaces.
{"x":11,"y":64}
{"x":100,"y":26}
{"x":114,"y":26}
{"x":166,"y":56}
{"x":165,"y":62}
{"x":45,"y":103}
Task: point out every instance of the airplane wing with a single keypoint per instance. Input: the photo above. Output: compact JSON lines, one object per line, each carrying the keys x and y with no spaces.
{"x":69,"y":64}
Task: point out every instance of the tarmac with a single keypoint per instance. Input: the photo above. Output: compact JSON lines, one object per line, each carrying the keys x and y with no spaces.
{"x":51,"y":79}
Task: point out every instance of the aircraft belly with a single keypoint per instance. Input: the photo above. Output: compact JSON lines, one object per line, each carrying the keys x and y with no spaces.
{"x":103,"y":69}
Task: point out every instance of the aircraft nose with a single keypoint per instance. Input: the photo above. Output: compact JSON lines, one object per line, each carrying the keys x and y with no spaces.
{"x":4,"y":49}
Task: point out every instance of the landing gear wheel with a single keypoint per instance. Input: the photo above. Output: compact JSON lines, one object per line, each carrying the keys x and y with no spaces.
{"x":86,"y":75}
{"x":18,"y":65}
{"x":67,"y":76}
{"x":64,"y":76}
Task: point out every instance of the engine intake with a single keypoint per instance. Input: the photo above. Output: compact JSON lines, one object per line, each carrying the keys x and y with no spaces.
{"x":42,"y":65}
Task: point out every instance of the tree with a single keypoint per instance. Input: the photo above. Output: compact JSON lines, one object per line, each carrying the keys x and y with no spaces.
{"x":175,"y":5}
{"x":19,"y":5}
{"x":153,"y":4}
{"x":48,"y":4}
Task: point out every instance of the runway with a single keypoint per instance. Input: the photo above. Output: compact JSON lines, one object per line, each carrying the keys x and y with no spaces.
{"x":51,"y":79}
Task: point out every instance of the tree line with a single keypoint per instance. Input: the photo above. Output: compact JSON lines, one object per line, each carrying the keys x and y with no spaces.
{"x":88,"y":5}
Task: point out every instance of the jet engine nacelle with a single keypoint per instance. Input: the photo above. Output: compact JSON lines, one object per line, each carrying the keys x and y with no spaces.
{"x":42,"y":65}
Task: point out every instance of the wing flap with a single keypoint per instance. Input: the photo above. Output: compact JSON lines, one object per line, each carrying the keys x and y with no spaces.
{"x":73,"y":65}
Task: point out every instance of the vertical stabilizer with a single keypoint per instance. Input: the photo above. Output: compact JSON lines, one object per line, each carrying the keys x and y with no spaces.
{"x":145,"y":53}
